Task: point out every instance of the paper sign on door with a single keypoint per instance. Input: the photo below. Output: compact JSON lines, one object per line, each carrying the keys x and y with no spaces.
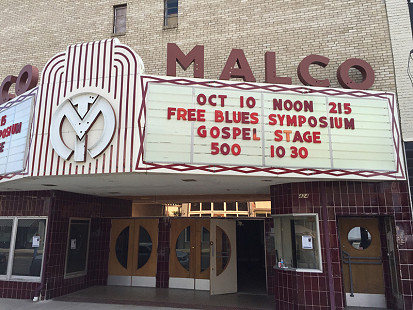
{"x":36,"y":242}
{"x":307,"y":242}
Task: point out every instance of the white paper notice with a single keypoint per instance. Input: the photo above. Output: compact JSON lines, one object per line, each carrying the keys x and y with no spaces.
{"x":73,"y":244}
{"x":36,"y":242}
{"x":307,"y":242}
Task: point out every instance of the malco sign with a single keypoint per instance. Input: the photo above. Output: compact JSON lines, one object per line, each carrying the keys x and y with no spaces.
{"x":236,"y":66}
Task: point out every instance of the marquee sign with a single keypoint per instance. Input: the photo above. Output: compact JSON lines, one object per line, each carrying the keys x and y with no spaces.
{"x":15,"y":123}
{"x":96,"y":113}
{"x":271,"y":128}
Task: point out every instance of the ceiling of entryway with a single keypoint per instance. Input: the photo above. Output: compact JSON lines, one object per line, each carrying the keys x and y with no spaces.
{"x":149,"y":185}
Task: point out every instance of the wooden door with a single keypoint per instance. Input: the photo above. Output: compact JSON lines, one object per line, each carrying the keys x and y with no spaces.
{"x":133,"y":252}
{"x":362,"y":262}
{"x":144,"y":257}
{"x":120,"y":256}
{"x":189,"y":254}
{"x":223,"y":256}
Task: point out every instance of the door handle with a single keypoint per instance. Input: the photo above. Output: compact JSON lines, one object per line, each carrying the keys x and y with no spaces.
{"x":211,"y":244}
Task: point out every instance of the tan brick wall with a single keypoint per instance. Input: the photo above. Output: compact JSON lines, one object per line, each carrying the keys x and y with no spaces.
{"x":402,"y":43}
{"x":33,"y":31}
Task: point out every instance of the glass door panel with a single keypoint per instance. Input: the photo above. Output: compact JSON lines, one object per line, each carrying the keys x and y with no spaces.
{"x":205,"y":249}
{"x":144,"y":247}
{"x":183,"y":247}
{"x":223,"y":248}
{"x":122,"y":247}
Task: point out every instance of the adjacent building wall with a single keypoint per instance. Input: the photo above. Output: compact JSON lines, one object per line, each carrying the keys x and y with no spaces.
{"x":402,"y":44}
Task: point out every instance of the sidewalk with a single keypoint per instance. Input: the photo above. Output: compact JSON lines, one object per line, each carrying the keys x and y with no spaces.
{"x":24,"y":304}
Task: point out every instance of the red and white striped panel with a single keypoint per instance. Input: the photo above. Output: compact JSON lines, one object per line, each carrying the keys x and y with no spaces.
{"x":104,"y":67}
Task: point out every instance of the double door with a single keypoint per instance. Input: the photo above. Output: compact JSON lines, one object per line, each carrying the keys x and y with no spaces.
{"x":133,"y":252}
{"x":203,"y":255}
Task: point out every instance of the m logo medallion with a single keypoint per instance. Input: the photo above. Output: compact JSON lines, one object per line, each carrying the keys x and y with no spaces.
{"x":81,"y":120}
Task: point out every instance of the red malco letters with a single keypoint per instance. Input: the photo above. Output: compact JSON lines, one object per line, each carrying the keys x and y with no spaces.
{"x":237,"y":66}
{"x":26,"y":80}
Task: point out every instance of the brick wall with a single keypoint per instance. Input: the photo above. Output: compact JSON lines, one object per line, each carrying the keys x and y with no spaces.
{"x":402,"y":43}
{"x":35,"y":31}
{"x":59,"y":207}
{"x":304,"y":290}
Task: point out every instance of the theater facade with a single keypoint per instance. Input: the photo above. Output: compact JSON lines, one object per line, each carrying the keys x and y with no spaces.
{"x":96,"y":133}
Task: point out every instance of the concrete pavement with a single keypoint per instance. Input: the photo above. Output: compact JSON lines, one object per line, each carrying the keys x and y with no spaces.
{"x":24,"y":304}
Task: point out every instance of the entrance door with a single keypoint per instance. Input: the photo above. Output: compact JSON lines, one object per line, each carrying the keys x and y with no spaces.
{"x":361,"y":262}
{"x":133,"y":252}
{"x":223,"y":256}
{"x":189,"y":256}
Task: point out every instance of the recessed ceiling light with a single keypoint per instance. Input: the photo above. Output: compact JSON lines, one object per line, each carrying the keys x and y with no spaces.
{"x":113,"y":193}
{"x":189,"y":180}
{"x":49,"y":185}
{"x":266,"y":180}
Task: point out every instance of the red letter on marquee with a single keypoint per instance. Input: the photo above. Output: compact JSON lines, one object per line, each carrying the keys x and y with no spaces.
{"x":243,"y":71}
{"x":303,"y":70}
{"x":196,"y":56}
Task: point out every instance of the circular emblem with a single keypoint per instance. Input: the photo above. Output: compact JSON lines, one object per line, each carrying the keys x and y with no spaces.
{"x":82,"y":122}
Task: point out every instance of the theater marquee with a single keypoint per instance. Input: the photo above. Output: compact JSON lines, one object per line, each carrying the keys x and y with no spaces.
{"x":15,"y":123}
{"x":97,"y":113}
{"x":277,"y":129}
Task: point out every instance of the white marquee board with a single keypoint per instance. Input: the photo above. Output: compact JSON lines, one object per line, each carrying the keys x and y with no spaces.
{"x":15,"y":124}
{"x":310,"y":129}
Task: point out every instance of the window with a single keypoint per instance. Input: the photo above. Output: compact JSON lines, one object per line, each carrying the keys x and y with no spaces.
{"x":219,"y":209}
{"x":231,"y":206}
{"x":119,"y":19}
{"x":6,"y":226}
{"x":22,"y":243}
{"x":195,"y":206}
{"x":242,"y":206}
{"x":171,"y":14}
{"x":218,"y":206}
{"x":77,"y":247}
{"x":297,"y":242}
{"x":206,"y":206}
